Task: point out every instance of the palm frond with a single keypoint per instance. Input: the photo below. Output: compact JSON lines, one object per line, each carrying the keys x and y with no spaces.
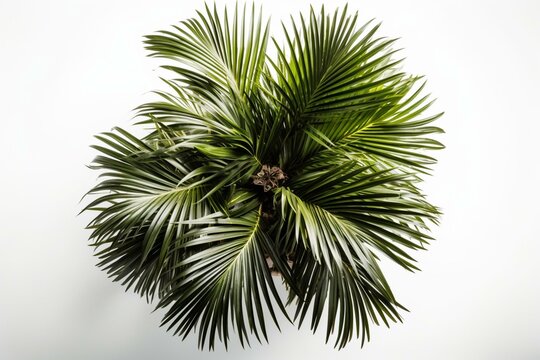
{"x":366,"y":207}
{"x":393,"y":135}
{"x":350,"y":300}
{"x":215,"y":51}
{"x":331,"y":68}
{"x":141,"y":209}
{"x":228,"y":280}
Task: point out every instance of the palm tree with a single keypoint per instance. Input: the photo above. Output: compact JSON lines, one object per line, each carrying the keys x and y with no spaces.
{"x":305,"y":164}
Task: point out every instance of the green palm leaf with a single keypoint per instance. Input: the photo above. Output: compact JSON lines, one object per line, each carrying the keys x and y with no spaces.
{"x":207,"y":292}
{"x":307,"y":166}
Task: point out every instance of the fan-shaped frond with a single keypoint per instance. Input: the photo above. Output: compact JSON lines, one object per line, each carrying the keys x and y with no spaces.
{"x":350,"y":298}
{"x":227,"y":281}
{"x":367,"y":207}
{"x":215,"y":52}
{"x":141,"y":209}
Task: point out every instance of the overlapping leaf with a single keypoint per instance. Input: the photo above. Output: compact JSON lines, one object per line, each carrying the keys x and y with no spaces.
{"x":180,"y":216}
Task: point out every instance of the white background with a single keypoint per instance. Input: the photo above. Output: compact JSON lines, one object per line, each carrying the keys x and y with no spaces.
{"x":71,"y":69}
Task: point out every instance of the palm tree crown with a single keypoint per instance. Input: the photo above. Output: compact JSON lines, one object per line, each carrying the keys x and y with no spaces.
{"x":305,"y":164}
